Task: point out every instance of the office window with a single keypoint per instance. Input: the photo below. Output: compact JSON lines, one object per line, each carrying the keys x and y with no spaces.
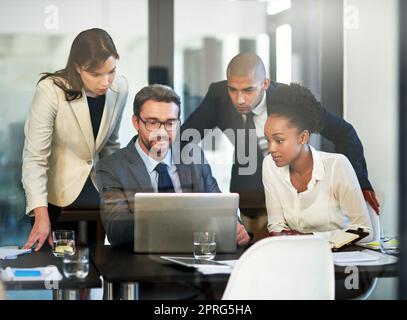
{"x":283,"y":53}
{"x":277,"y":6}
{"x":208,"y":34}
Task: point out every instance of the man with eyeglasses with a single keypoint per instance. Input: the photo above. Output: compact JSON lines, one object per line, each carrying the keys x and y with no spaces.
{"x":149,"y":163}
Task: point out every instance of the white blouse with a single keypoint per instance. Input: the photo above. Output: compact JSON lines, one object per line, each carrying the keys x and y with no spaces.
{"x":332,"y":201}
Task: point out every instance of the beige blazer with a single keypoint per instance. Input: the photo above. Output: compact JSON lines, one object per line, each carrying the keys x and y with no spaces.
{"x":59,"y":149}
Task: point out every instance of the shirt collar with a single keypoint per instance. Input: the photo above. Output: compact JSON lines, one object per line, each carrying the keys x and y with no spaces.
{"x":284,"y":172}
{"x":150,"y":162}
{"x":261,"y":107}
{"x":318,"y":170}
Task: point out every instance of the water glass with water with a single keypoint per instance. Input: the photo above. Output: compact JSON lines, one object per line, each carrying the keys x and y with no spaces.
{"x":76,"y":265}
{"x":204,"y":245}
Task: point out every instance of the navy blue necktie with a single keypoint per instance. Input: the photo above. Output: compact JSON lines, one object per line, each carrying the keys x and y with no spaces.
{"x":164,"y":179}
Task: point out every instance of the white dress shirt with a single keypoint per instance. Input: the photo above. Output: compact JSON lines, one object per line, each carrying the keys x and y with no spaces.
{"x":151,"y":163}
{"x":333,"y":199}
{"x":259,"y":119}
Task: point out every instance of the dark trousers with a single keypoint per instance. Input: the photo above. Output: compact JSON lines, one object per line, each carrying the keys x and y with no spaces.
{"x":88,"y":199}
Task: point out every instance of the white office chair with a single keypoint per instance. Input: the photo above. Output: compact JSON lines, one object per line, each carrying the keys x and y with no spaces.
{"x":375,"y":220}
{"x":377,"y":232}
{"x":289,"y":267}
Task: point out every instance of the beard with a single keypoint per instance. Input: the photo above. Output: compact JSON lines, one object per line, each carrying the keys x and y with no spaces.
{"x":157,"y":145}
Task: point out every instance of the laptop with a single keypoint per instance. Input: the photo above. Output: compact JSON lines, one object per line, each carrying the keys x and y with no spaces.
{"x":166,"y":222}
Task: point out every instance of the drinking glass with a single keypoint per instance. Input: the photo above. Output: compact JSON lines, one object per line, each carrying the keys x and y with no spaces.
{"x":76,"y":265}
{"x":63,"y":240}
{"x":204,"y":245}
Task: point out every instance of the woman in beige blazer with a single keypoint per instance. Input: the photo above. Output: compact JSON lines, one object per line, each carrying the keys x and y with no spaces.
{"x":73,"y":121}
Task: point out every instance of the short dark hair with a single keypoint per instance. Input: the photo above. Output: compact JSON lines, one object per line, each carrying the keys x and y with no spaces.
{"x":155,"y":92}
{"x":243,"y":64}
{"x":298,"y":105}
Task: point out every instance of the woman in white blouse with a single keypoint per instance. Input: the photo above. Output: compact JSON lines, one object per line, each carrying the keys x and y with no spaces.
{"x":307,"y":191}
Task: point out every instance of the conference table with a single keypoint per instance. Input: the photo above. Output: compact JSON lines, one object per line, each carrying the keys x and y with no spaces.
{"x":124,"y":272}
{"x":126,"y":275}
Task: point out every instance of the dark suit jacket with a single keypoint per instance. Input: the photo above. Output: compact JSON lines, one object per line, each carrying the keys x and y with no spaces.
{"x":123,"y":174}
{"x":217,"y":110}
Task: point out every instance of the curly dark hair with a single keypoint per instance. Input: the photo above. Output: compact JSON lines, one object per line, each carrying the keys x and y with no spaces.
{"x":299,"y":105}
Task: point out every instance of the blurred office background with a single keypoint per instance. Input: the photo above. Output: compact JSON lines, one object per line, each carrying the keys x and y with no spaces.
{"x":345,"y":51}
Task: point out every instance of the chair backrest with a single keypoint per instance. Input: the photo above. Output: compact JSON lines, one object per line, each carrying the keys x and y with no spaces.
{"x":375,"y":220}
{"x":289,"y":267}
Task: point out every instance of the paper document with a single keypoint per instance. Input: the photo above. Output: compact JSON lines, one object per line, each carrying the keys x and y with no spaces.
{"x":230,"y":263}
{"x":217,"y":270}
{"x":353,"y":256}
{"x":362,"y":258}
{"x":12,"y":253}
{"x":374,"y":245}
{"x":214,"y":270}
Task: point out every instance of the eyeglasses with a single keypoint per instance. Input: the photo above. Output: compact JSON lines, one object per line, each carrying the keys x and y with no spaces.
{"x":169,"y":125}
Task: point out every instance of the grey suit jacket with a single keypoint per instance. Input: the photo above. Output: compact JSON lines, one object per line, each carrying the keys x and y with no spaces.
{"x":122,"y":174}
